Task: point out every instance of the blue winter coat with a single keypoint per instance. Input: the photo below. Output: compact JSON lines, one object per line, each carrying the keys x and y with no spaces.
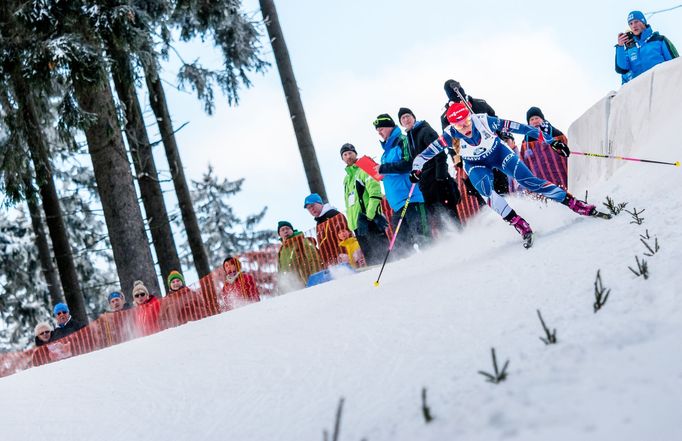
{"x":651,"y":48}
{"x":396,"y":164}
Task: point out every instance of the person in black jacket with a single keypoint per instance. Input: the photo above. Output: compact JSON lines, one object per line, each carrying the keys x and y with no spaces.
{"x":500,"y":182}
{"x":66,"y":325}
{"x":440,"y":191}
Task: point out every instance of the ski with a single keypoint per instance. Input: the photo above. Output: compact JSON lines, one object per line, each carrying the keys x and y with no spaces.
{"x":600,"y":215}
{"x":527,"y":240}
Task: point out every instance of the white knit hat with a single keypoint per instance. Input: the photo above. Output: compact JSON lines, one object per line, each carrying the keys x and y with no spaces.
{"x":42,"y":327}
{"x":138,"y":286}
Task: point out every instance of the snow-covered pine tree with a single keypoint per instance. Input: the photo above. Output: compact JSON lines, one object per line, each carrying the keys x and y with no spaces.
{"x":224,"y":233}
{"x":238,"y":38}
{"x":68,"y":50}
{"x":24,"y":299}
{"x":88,"y":233}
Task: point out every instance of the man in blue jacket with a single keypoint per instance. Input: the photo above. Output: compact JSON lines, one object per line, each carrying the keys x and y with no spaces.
{"x":396,"y":164}
{"x":641,"y":49}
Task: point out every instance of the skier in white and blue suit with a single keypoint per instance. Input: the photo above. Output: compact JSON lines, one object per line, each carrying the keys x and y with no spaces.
{"x":482,"y":151}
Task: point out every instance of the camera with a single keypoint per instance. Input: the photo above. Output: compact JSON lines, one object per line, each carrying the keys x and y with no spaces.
{"x":631,"y":40}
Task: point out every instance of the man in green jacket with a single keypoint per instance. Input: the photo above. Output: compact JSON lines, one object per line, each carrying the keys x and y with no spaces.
{"x":363,"y":208}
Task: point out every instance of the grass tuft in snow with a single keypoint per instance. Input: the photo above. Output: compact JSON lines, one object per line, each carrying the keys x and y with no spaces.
{"x":337,"y":424}
{"x":613,"y":207}
{"x":642,"y":268}
{"x":600,"y":293}
{"x":426,"y":411}
{"x":500,"y":375}
{"x":635,"y":216}
{"x":550,"y":337}
{"x":644,"y":238}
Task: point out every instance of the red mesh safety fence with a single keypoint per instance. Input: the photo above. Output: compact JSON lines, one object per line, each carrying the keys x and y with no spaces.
{"x":544,"y":162}
{"x":271,"y":271}
{"x":468,"y":204}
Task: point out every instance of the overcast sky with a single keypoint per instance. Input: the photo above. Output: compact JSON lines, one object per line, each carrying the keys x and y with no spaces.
{"x":356,"y":59}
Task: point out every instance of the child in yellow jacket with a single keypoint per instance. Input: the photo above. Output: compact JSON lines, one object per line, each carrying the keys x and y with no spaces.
{"x":353,"y":253}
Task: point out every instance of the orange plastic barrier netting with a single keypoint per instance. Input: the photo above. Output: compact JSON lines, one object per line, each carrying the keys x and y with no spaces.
{"x":545,"y":163}
{"x":268,"y":272}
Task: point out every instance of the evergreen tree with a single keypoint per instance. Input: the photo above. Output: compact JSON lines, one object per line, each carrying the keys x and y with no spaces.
{"x":127,"y":33}
{"x":69,"y":50}
{"x":89,"y":238}
{"x":24,"y":299}
{"x":26,"y":113}
{"x":293,"y":98}
{"x":237,"y":37}
{"x":224,"y":233}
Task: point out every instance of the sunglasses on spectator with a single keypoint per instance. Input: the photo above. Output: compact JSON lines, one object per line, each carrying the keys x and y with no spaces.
{"x":62,"y":312}
{"x":44,"y":332}
{"x":140,"y":295}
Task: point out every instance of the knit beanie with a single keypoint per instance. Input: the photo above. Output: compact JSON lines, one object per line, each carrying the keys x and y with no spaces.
{"x":348,"y":147}
{"x":60,"y":307}
{"x":313,"y":198}
{"x":281,"y":224}
{"x":175,"y":275}
{"x":403,"y":111}
{"x":534,"y":111}
{"x":449,"y":88}
{"x":383,"y":120}
{"x":42,"y":327}
{"x":138,"y":287}
{"x":116,"y":295}
{"x":637,"y":15}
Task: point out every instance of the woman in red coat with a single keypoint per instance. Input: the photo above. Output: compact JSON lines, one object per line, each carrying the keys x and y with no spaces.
{"x":238,"y":287}
{"x":147,"y":308}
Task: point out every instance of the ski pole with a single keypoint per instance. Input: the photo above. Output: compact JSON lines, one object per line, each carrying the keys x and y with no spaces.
{"x":464,"y":101}
{"x":598,"y":155}
{"x":395,"y":233}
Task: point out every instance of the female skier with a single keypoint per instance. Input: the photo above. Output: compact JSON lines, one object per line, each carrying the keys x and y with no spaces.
{"x":482,"y":151}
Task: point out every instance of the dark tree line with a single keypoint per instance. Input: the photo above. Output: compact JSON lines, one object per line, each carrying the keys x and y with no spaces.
{"x":69,"y":79}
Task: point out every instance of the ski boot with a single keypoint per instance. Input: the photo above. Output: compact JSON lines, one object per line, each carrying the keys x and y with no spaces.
{"x":583,"y":208}
{"x":524,"y":229}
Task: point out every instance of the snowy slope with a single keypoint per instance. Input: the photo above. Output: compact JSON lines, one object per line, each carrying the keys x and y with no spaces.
{"x":276,"y":370}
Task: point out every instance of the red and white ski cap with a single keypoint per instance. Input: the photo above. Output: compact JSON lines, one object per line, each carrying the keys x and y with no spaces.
{"x":457,"y":112}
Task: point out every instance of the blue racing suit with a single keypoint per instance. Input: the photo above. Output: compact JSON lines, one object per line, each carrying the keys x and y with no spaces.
{"x":484,"y":151}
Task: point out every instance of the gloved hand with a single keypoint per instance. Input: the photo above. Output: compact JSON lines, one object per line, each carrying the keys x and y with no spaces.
{"x":415,"y":176}
{"x":560,"y":148}
{"x":372,"y":208}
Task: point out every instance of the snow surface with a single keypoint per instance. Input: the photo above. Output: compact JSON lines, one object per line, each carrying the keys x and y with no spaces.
{"x":276,"y":370}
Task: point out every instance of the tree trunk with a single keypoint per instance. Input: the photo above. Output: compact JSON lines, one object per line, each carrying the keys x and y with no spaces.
{"x":143,"y":159}
{"x":115,"y":186}
{"x":54,"y":288}
{"x":157,"y":99}
{"x":38,"y":147}
{"x":286,"y":74}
